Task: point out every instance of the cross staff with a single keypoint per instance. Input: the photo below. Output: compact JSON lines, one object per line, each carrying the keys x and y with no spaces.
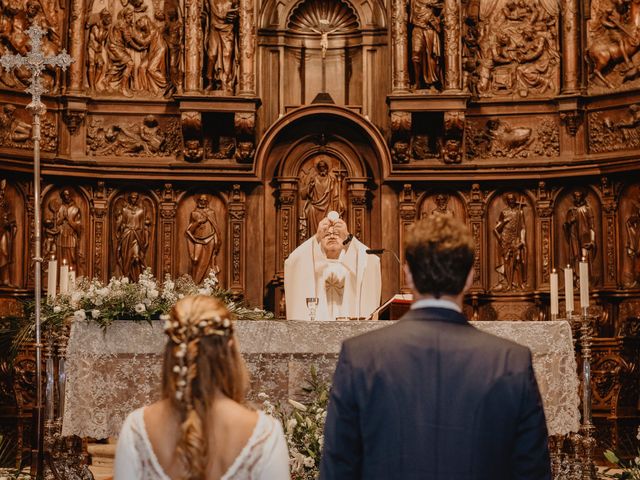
{"x":36,"y":62}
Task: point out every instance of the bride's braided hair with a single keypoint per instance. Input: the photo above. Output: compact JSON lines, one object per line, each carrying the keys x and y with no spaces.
{"x":200,"y":360}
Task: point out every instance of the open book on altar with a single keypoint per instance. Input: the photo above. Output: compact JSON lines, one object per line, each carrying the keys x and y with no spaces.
{"x":393,"y":308}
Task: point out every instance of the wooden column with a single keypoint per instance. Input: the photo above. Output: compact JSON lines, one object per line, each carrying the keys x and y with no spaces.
{"x":286,"y":220}
{"x":193,"y":47}
{"x":357,"y":191}
{"x":544,"y":237}
{"x":168,"y":209}
{"x":76,"y":45}
{"x":399,"y":47}
{"x":571,"y":32}
{"x":452,"y":58}
{"x":247,"y":42}
{"x":99,"y":231}
{"x":408,"y":215}
{"x":476,"y":221}
{"x":237,"y":243}
{"x":610,"y":236}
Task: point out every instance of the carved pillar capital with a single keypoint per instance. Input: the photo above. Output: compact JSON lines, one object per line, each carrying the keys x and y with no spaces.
{"x":289,"y":227}
{"x":400,"y":136}
{"x":572,"y":121}
{"x":454,"y":122}
{"x":191,"y":122}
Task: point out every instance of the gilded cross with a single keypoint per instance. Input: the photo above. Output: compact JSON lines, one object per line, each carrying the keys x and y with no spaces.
{"x":36,"y":62}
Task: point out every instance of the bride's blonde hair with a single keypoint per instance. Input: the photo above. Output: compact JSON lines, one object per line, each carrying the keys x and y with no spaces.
{"x":201,"y":358}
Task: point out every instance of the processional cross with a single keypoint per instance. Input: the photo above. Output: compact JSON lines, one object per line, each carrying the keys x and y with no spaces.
{"x":36,"y":62}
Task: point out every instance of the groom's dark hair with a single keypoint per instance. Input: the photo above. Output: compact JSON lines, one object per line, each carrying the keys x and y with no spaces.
{"x":439,"y":251}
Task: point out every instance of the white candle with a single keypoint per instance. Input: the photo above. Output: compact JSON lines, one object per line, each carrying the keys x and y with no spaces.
{"x":72,"y":279}
{"x":568,"y":289}
{"x":64,"y":278}
{"x":554,"y":293}
{"x":52,"y":278}
{"x":584,"y":284}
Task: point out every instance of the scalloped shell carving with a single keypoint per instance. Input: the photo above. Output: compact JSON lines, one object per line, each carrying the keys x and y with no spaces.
{"x":318,"y":16}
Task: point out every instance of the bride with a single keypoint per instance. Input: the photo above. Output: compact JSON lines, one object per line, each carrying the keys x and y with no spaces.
{"x":201,"y":429}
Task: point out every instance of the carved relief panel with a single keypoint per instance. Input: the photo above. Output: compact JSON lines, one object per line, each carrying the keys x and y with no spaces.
{"x":201,"y":235}
{"x":12,"y":235}
{"x":133,"y":239}
{"x":150,"y":136}
{"x":16,"y":129}
{"x":133,"y":47}
{"x":513,"y":138}
{"x":65,"y":228}
{"x":629,"y":241}
{"x":16,"y":17}
{"x":443,"y":203}
{"x":511,"y":261}
{"x":611,"y":44}
{"x":578,"y":232}
{"x":614,"y":130}
{"x":511,"y":48}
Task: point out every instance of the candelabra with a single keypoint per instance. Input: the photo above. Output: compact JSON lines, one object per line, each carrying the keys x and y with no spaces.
{"x":579,"y":464}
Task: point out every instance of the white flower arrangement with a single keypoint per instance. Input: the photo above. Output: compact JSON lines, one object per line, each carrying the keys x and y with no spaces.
{"x":146,"y":299}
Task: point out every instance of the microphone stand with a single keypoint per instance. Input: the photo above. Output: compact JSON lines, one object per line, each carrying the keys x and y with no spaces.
{"x":380,"y":251}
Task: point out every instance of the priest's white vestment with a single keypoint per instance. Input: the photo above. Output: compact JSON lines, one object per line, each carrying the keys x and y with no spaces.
{"x":308,"y":273}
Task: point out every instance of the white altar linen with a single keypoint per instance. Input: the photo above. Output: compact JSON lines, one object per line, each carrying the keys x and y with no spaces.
{"x":111,"y":374}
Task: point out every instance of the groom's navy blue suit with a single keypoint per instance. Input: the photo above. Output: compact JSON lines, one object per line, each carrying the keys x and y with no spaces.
{"x":432,"y":397}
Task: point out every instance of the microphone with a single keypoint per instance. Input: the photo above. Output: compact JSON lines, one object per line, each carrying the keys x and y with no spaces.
{"x":348,"y":239}
{"x":380,"y":251}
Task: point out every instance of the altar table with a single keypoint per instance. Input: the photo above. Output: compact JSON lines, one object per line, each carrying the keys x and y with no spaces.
{"x":111,"y":373}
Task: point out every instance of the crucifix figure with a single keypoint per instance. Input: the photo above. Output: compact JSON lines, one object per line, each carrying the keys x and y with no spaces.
{"x":324,"y":31}
{"x":36,"y":62}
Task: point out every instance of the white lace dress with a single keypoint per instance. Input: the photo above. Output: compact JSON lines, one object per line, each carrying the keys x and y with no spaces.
{"x":264,"y":457}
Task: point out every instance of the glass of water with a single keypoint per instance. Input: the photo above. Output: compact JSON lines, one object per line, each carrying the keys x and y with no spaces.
{"x":312,"y":305}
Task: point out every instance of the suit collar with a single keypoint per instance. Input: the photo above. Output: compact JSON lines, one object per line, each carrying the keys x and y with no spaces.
{"x":434,"y":314}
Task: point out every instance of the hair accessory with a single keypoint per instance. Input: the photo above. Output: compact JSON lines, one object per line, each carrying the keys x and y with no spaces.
{"x":182,"y":333}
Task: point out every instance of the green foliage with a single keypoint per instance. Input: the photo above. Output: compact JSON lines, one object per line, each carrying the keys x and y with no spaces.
{"x":627,"y":470}
{"x":303,"y":425}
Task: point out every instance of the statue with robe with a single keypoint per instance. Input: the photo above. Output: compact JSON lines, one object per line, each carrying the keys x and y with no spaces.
{"x":203,"y":240}
{"x":321,"y":191}
{"x":580,"y":233}
{"x":8,"y":230}
{"x":333,"y":268}
{"x":133,"y":233}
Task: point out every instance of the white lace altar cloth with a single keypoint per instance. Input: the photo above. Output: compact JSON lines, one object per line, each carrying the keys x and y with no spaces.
{"x":110,"y":374}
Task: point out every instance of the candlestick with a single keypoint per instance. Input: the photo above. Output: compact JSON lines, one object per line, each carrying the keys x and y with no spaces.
{"x":554,"y":294}
{"x":64,"y":278}
{"x":584,"y":283}
{"x":72,"y":279}
{"x":568,"y":290}
{"x":52,"y":278}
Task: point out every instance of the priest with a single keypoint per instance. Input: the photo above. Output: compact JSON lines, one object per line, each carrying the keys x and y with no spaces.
{"x":331,"y":276}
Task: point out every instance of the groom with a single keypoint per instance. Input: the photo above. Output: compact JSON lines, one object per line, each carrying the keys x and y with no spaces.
{"x":432,"y":397}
